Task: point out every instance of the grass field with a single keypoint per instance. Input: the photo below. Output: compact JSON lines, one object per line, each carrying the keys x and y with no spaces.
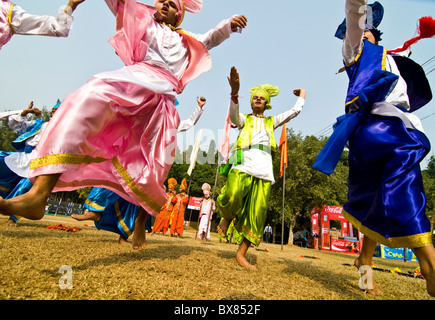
{"x":178,"y":269}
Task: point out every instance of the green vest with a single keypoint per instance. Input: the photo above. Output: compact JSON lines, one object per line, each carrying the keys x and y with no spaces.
{"x":244,"y":142}
{"x":245,"y":136}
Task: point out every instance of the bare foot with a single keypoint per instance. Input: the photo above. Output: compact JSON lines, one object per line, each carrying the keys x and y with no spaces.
{"x":223,"y":227}
{"x":139,"y":241}
{"x":123,"y":241}
{"x":31,"y":205}
{"x":87,"y":215}
{"x":241,"y":260}
{"x":374,"y":290}
{"x":27,"y":205}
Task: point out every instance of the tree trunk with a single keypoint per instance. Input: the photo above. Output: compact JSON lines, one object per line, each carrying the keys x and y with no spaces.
{"x":273,"y":233}
{"x":292,"y":224}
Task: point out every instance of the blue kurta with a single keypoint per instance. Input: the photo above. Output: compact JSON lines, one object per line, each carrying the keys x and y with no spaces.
{"x":386,"y":199}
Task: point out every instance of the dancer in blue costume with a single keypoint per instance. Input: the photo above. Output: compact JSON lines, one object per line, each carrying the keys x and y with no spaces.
{"x":386,"y":143}
{"x":14,"y":166}
{"x":111,"y":212}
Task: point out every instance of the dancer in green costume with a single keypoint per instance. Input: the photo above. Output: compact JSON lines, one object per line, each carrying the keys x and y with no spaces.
{"x":245,"y":196}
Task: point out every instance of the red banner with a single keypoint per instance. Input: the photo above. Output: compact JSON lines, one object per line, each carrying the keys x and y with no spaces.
{"x":194,"y":203}
{"x":345,"y":246}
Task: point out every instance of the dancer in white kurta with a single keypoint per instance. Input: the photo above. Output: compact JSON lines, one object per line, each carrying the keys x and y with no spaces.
{"x":16,"y":20}
{"x":14,"y":166}
{"x":245,"y":195}
{"x":125,"y":141}
{"x":206,"y":211}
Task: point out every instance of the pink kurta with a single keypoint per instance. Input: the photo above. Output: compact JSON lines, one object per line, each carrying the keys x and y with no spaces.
{"x":119,"y":130}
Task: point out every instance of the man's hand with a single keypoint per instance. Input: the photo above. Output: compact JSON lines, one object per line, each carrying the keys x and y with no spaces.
{"x":30,"y":109}
{"x":73,"y":5}
{"x":234,"y":81}
{"x":300,"y":93}
{"x":201,"y":101}
{"x":238,"y":22}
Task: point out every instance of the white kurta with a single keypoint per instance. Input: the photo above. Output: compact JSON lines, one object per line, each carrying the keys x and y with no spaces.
{"x":19,"y":162}
{"x":167,"y":51}
{"x":206,"y":214}
{"x":256,"y":162}
{"x":25,"y":23}
{"x":193,"y":119}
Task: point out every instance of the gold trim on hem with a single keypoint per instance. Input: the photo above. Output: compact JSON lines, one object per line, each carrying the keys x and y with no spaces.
{"x":5,"y":189}
{"x":133,"y":187}
{"x":63,"y":159}
{"x":413,"y":241}
{"x":94,"y":205}
{"x":121,"y":221}
{"x":246,"y":233}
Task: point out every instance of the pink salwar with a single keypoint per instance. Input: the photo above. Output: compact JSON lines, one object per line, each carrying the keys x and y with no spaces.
{"x":116,"y":132}
{"x":112,"y":135}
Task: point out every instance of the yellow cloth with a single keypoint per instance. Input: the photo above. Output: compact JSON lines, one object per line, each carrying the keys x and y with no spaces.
{"x":266,"y":91}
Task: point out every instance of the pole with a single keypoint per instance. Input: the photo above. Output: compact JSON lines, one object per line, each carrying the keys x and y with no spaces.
{"x":188,"y":194}
{"x":283,"y":195}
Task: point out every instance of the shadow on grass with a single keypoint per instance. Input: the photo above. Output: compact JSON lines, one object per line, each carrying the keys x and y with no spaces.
{"x":331,"y":281}
{"x":163,"y":253}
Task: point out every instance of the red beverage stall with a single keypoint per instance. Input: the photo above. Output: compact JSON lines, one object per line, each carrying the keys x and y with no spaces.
{"x":324,"y":240}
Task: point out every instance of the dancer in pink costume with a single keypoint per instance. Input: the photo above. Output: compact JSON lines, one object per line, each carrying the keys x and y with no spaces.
{"x":118,"y":131}
{"x":206,"y":210}
{"x":15,"y":20}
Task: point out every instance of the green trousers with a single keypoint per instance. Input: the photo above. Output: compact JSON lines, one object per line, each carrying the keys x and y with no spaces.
{"x":245,"y":199}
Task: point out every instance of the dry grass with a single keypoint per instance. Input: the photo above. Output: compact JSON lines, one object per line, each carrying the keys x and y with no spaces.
{"x":178,"y":269}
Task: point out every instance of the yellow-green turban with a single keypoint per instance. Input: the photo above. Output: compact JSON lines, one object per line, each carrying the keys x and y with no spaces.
{"x":266,"y":91}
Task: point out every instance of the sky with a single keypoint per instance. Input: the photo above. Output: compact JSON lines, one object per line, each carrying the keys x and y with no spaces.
{"x":289,"y":44}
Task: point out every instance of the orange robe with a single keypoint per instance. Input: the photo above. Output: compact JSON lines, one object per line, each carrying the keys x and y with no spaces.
{"x":162,"y":220}
{"x":177,"y":224}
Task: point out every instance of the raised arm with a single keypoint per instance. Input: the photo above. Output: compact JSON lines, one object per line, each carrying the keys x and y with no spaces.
{"x":27,"y":24}
{"x":355,"y":23}
{"x":234,"y":81}
{"x":193,"y":119}
{"x":222,"y":31}
{"x":293,"y":112}
{"x":19,"y":123}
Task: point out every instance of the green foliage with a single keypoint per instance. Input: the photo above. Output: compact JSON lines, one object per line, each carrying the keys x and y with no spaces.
{"x":204,"y":172}
{"x":305,"y":187}
{"x":429,"y":185}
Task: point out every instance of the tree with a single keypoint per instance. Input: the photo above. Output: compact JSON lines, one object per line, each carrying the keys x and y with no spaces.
{"x":429,"y":188}
{"x":304,"y":186}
